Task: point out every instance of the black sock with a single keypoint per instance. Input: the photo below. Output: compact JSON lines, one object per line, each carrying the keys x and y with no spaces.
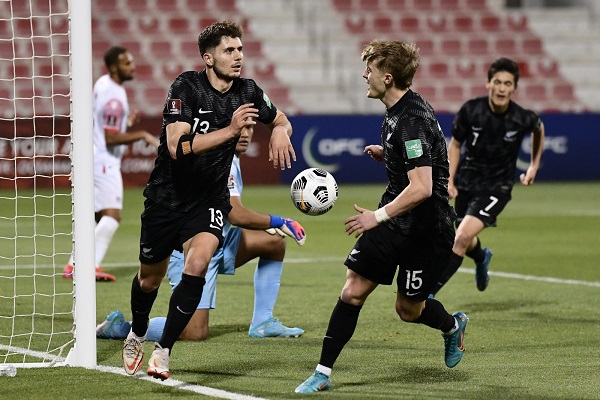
{"x":141,"y":305}
{"x":182,"y":306}
{"x":342,"y":324}
{"x":453,"y":264}
{"x":477,"y":254}
{"x":435,"y":316}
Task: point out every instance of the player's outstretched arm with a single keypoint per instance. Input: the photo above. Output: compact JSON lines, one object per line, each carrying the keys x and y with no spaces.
{"x":250,"y":219}
{"x":281,"y":151}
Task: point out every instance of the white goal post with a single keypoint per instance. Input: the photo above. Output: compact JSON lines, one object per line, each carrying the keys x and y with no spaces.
{"x":46,"y":184}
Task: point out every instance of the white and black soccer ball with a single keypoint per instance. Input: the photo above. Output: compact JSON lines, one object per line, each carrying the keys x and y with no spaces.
{"x":314,"y":191}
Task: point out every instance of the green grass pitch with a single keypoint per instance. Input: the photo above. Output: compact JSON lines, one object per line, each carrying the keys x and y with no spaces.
{"x":533,"y":334}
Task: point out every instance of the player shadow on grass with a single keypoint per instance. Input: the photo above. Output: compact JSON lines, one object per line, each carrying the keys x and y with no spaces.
{"x":416,"y":375}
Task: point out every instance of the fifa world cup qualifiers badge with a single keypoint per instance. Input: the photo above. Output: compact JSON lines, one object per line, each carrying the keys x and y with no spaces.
{"x":414,"y":149}
{"x":174,"y":106}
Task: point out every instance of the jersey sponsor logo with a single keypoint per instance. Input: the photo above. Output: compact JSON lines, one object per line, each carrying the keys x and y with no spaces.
{"x":201,"y":111}
{"x":174,"y":106}
{"x":414,"y":149}
{"x":510,"y":136}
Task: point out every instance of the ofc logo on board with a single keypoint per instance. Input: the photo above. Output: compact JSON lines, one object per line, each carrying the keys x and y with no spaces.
{"x":329,"y":147}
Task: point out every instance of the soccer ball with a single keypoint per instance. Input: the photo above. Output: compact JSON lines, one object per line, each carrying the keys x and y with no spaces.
{"x":314,"y":191}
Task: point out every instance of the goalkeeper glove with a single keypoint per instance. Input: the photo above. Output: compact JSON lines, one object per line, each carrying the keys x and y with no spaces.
{"x":289,"y":227}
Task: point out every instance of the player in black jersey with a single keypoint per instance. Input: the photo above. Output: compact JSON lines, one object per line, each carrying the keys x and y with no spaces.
{"x":491,"y":129}
{"x":412,"y":230}
{"x":187,"y":199}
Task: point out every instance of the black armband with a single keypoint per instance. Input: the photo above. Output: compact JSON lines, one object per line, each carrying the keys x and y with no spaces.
{"x":184,"y":147}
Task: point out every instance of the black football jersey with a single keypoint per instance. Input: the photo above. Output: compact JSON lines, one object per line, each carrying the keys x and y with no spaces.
{"x":411,"y":137}
{"x":201,"y":179}
{"x":491,"y":144}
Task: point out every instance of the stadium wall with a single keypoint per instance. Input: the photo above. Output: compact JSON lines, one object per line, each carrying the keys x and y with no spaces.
{"x":334,"y":143}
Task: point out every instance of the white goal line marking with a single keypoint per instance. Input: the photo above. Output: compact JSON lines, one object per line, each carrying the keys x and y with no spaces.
{"x":508,"y":275}
{"x":204,"y":390}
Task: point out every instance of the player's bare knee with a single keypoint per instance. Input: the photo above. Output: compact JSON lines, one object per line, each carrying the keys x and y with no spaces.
{"x":462,"y":240}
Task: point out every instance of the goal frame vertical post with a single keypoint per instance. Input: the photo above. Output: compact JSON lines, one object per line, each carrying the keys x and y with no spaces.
{"x":83,"y":354}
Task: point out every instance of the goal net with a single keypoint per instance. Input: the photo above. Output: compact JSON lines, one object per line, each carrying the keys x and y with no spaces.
{"x":46,"y":183}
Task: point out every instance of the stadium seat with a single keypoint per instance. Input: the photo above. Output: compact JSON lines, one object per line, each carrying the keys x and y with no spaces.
{"x":490,"y":23}
{"x":409,"y":24}
{"x":438,"y":70}
{"x":478,"y":46}
{"x":505,"y":47}
{"x":368,"y":5}
{"x":343,"y":5}
{"x":355,"y":23}
{"x":382,"y":24}
{"x":548,"y":68}
{"x":148,"y":25}
{"x":454,"y":93}
{"x":463,"y":23}
{"x":437,"y":22}
{"x":179,"y":26}
{"x":426,"y":46}
{"x":517,"y":23}
{"x":451,"y":47}
{"x":119,"y":26}
{"x":161,"y":49}
{"x":532,"y":46}
{"x":563,"y":91}
{"x":193,"y":6}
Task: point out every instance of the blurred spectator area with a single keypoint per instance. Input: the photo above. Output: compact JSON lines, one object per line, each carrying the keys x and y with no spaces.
{"x":306,"y":54}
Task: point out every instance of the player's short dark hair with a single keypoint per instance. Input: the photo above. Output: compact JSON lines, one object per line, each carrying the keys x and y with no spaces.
{"x":397,"y":58}
{"x":211,"y":36}
{"x":504,"y":64}
{"x":111,"y":57}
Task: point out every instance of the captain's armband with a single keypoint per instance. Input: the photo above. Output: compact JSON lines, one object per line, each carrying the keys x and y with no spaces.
{"x":184,"y":147}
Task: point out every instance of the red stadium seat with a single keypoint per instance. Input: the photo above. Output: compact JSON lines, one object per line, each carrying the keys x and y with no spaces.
{"x":517,"y":22}
{"x":535,"y":92}
{"x":453,"y":93}
{"x":463,"y":23}
{"x":490,"y":23}
{"x":179,"y":25}
{"x":437,"y":23}
{"x":466,"y":69}
{"x":451,"y":47}
{"x":506,"y":47}
{"x":423,"y":4}
{"x":438,"y":70}
{"x":193,"y":6}
{"x":478,"y":46}
{"x":119,"y":26}
{"x":161,"y":49}
{"x":189,"y":49}
{"x":382,"y":24}
{"x":426,"y":47}
{"x":426,"y":91}
{"x":475,"y":4}
{"x":547,"y":68}
{"x":563,"y":91}
{"x":394,"y":5}
{"x":532,"y":46}
{"x":449,"y":4}
{"x":409,"y":24}
{"x":369,"y":5}
{"x":148,"y":25}
{"x":355,"y":23}
{"x":343,"y":5}
{"x":226,"y":5}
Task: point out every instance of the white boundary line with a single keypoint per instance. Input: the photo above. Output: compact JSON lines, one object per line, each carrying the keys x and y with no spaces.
{"x":222,"y":394}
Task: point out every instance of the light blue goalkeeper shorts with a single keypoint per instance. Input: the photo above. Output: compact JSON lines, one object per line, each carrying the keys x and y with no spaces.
{"x":223,"y":262}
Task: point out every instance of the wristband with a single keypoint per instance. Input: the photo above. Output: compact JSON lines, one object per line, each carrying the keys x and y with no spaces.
{"x":276,"y":221}
{"x":184,"y":147}
{"x":381,"y":215}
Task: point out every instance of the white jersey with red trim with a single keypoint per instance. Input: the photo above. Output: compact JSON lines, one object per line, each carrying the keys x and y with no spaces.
{"x":111,"y":109}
